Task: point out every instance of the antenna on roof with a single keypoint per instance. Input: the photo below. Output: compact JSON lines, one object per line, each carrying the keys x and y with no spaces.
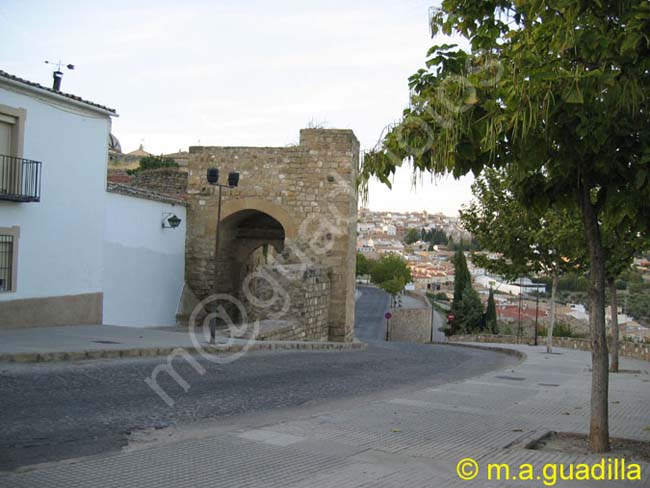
{"x":58,"y":74}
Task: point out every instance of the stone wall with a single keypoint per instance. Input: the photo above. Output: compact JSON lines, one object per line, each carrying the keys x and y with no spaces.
{"x":411,"y":324}
{"x":309,"y":193}
{"x":626,"y":349}
{"x":118,"y":176}
{"x":294,"y":293}
{"x":169,"y":181}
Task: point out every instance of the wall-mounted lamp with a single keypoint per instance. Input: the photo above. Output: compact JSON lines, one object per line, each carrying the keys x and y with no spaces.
{"x":170,"y":221}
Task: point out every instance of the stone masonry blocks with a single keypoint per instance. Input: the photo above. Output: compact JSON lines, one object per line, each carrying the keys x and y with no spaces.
{"x":310,"y":191}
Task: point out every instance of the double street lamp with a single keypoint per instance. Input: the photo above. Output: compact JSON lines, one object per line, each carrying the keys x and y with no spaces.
{"x":233,"y":182}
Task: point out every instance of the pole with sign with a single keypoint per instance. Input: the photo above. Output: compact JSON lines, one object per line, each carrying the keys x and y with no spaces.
{"x":388,"y":316}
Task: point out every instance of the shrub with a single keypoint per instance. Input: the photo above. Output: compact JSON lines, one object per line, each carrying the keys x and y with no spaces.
{"x":153,"y":162}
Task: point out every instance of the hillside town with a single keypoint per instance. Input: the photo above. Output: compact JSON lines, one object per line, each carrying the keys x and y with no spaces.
{"x":430,"y":259}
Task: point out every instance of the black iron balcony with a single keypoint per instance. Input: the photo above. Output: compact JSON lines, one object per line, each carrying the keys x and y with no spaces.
{"x":20,"y":179}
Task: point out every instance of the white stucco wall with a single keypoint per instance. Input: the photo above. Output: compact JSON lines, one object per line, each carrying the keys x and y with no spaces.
{"x":144,"y":264}
{"x":60,"y":247}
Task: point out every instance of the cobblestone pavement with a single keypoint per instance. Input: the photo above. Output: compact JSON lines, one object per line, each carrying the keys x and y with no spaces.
{"x":410,"y":439}
{"x":55,"y":411}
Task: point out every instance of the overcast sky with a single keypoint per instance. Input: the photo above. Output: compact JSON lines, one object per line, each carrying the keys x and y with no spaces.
{"x":235,"y":72}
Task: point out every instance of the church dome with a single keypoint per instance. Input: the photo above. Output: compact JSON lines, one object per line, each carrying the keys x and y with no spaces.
{"x":139,"y":152}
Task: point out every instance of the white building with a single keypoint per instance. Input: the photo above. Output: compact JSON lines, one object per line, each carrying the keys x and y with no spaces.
{"x":71,"y":253}
{"x":365,"y":228}
{"x":367,"y":246}
{"x":524,"y":285}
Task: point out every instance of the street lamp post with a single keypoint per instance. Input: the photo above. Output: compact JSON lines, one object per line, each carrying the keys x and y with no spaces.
{"x":233,"y":181}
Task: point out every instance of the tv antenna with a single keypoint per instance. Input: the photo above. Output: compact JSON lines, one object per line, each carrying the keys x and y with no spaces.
{"x":58,"y":74}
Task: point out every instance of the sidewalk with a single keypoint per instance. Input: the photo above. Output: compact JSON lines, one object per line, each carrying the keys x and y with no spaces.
{"x":78,"y":342}
{"x":411,"y":440}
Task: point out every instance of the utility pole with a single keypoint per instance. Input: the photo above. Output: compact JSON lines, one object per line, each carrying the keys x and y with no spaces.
{"x":432,"y":318}
{"x":519,"y":329}
{"x":536,"y":312}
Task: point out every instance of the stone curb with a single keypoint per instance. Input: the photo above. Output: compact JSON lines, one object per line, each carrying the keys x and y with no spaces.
{"x":41,"y":357}
{"x":504,"y":350}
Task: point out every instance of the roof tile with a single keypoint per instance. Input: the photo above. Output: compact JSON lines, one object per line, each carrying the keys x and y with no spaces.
{"x":8,"y":76}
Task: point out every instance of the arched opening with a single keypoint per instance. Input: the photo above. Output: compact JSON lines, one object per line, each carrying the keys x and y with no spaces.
{"x":248,"y":240}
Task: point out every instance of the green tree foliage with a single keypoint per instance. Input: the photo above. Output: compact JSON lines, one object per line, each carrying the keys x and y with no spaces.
{"x":392,"y":287}
{"x":364,"y":265}
{"x":527,"y":240}
{"x":462,"y":277}
{"x":468,"y":314}
{"x":435,"y":237}
{"x":391,"y":273}
{"x":466,"y":306}
{"x":556,"y":92}
{"x":620,"y":244}
{"x":637,"y":301}
{"x":638,"y":306}
{"x":472,"y":245}
{"x":154,"y":162}
{"x":491,"y":315}
{"x":413,"y":235}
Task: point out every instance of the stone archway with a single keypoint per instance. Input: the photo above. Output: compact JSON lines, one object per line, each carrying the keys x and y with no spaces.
{"x":242,"y":232}
{"x":260,"y":205}
{"x":309,"y":191}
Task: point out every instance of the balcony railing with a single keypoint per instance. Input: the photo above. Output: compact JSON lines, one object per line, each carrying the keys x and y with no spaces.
{"x":20,"y":179}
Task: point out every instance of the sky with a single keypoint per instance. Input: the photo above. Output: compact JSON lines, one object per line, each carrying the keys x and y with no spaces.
{"x":235,"y":73}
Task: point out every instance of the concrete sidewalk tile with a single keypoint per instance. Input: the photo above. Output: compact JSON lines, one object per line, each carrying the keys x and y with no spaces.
{"x":270,"y":437}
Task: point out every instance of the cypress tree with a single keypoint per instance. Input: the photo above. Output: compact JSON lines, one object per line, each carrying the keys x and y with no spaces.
{"x":491,"y":315}
{"x":462,"y":277}
{"x":464,"y":305}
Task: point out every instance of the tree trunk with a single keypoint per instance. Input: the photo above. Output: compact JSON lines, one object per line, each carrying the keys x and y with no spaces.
{"x":549,"y":337}
{"x":599,"y":426}
{"x":614,"y":325}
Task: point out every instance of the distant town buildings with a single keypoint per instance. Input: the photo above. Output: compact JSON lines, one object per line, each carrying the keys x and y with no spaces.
{"x":393,"y":224}
{"x":381,"y":233}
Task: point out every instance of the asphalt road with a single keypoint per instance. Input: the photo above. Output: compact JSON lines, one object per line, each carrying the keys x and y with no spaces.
{"x":63,"y":410}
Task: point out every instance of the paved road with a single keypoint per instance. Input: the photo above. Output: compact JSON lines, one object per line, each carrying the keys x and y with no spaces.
{"x":63,"y":410}
{"x":371,"y":306}
{"x":370,"y":323}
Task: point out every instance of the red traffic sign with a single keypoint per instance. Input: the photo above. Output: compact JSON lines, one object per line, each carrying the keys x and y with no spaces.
{"x":388,"y":315}
{"x":450,"y":317}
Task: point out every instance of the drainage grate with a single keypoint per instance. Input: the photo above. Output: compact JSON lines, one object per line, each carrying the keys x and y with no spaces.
{"x":106,"y":342}
{"x":547,"y":384}
{"x":511,"y":378}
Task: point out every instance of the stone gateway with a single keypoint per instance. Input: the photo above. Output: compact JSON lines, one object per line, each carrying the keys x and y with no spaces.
{"x":287,"y":236}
